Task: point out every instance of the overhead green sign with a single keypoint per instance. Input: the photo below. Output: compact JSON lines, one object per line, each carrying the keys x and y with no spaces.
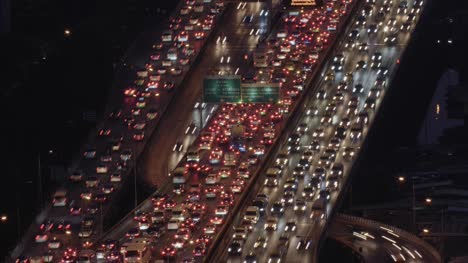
{"x":260,"y":92}
{"x":217,"y":89}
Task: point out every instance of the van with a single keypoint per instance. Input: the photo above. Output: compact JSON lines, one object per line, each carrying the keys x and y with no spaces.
{"x":137,"y":252}
{"x":230,"y":159}
{"x":252,"y":213}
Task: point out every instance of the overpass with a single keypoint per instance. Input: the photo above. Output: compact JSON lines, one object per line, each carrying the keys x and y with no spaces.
{"x":378,"y":242}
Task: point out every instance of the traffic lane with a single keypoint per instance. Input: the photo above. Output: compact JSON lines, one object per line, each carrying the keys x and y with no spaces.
{"x":164,"y":139}
{"x":291,"y":165}
{"x":369,"y":83}
{"x":332,"y":200}
{"x":275,"y":194}
{"x":377,"y":249}
{"x":90,"y":166}
{"x":259,"y":227}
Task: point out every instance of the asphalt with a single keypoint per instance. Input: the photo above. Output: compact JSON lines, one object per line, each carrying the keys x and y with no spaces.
{"x":137,"y":57}
{"x":305,"y":227}
{"x":371,"y":240}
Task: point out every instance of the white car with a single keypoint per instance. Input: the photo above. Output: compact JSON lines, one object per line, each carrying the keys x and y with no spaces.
{"x":173,"y":224}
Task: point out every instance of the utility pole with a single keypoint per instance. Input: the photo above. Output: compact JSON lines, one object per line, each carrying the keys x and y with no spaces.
{"x":414,"y":204}
{"x":135,"y":177}
{"x":39,"y":181}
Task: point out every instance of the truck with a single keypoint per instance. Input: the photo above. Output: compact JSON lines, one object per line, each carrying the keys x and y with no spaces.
{"x":237,"y":131}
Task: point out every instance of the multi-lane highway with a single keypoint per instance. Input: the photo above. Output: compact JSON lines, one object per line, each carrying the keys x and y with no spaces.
{"x":177,"y":239}
{"x":291,"y":202}
{"x":73,"y":217}
{"x":378,"y":242}
{"x":329,"y":131}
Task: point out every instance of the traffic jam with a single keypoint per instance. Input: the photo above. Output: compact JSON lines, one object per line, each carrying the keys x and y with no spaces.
{"x":221,"y":162}
{"x":73,"y":221}
{"x":301,"y":186}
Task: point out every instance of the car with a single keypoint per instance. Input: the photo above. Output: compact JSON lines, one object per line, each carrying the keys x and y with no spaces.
{"x":271,"y":224}
{"x":41,"y":237}
{"x":261,"y":242}
{"x":358,"y":88}
{"x":54,"y":243}
{"x":303,"y":244}
{"x":290,"y":185}
{"x":300,"y":205}
{"x":391,"y":39}
{"x":302,"y":128}
{"x":210,"y":229}
{"x":173,"y":224}
{"x":168,"y":252}
{"x":325,"y":194}
{"x":372,"y":29}
{"x":235,"y":248}
{"x":60,"y":198}
{"x":76,"y":176}
{"x":348,"y":153}
{"x":288,"y":198}
{"x":240,"y":233}
{"x":178,"y":146}
{"x":277,"y":209}
{"x":284,"y":240}
{"x":250,"y":258}
{"x":290,"y":226}
{"x":199,"y":250}
{"x":361,"y":65}
{"x":115,"y":177}
{"x":308,"y":192}
{"x":275,"y":257}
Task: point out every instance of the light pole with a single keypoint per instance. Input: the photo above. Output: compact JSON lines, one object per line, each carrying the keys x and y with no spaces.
{"x":402,"y":180}
{"x":135,"y":177}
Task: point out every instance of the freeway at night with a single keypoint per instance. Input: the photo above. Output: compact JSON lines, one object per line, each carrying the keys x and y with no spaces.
{"x":236,"y":182}
{"x":73,"y":219}
{"x":330,"y":132}
{"x":378,"y":242}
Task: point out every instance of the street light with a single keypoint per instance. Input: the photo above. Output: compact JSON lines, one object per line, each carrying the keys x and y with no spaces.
{"x":67,"y":32}
{"x":428,"y":201}
{"x":402,"y":180}
{"x":3,"y":218}
{"x":425,"y":230}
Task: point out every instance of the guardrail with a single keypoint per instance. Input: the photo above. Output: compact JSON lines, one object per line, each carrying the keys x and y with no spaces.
{"x":214,"y":253}
{"x":364,"y":222}
{"x":163,"y":188}
{"x":354,"y":169}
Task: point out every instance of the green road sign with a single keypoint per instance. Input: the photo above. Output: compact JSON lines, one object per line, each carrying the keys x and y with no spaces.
{"x":260,"y":92}
{"x":217,"y":89}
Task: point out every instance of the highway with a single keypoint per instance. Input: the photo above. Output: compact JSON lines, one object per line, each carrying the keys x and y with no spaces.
{"x":307,"y":229}
{"x":377,"y":242}
{"x":130,"y":228}
{"x":107,"y":158}
{"x":290,"y":60}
